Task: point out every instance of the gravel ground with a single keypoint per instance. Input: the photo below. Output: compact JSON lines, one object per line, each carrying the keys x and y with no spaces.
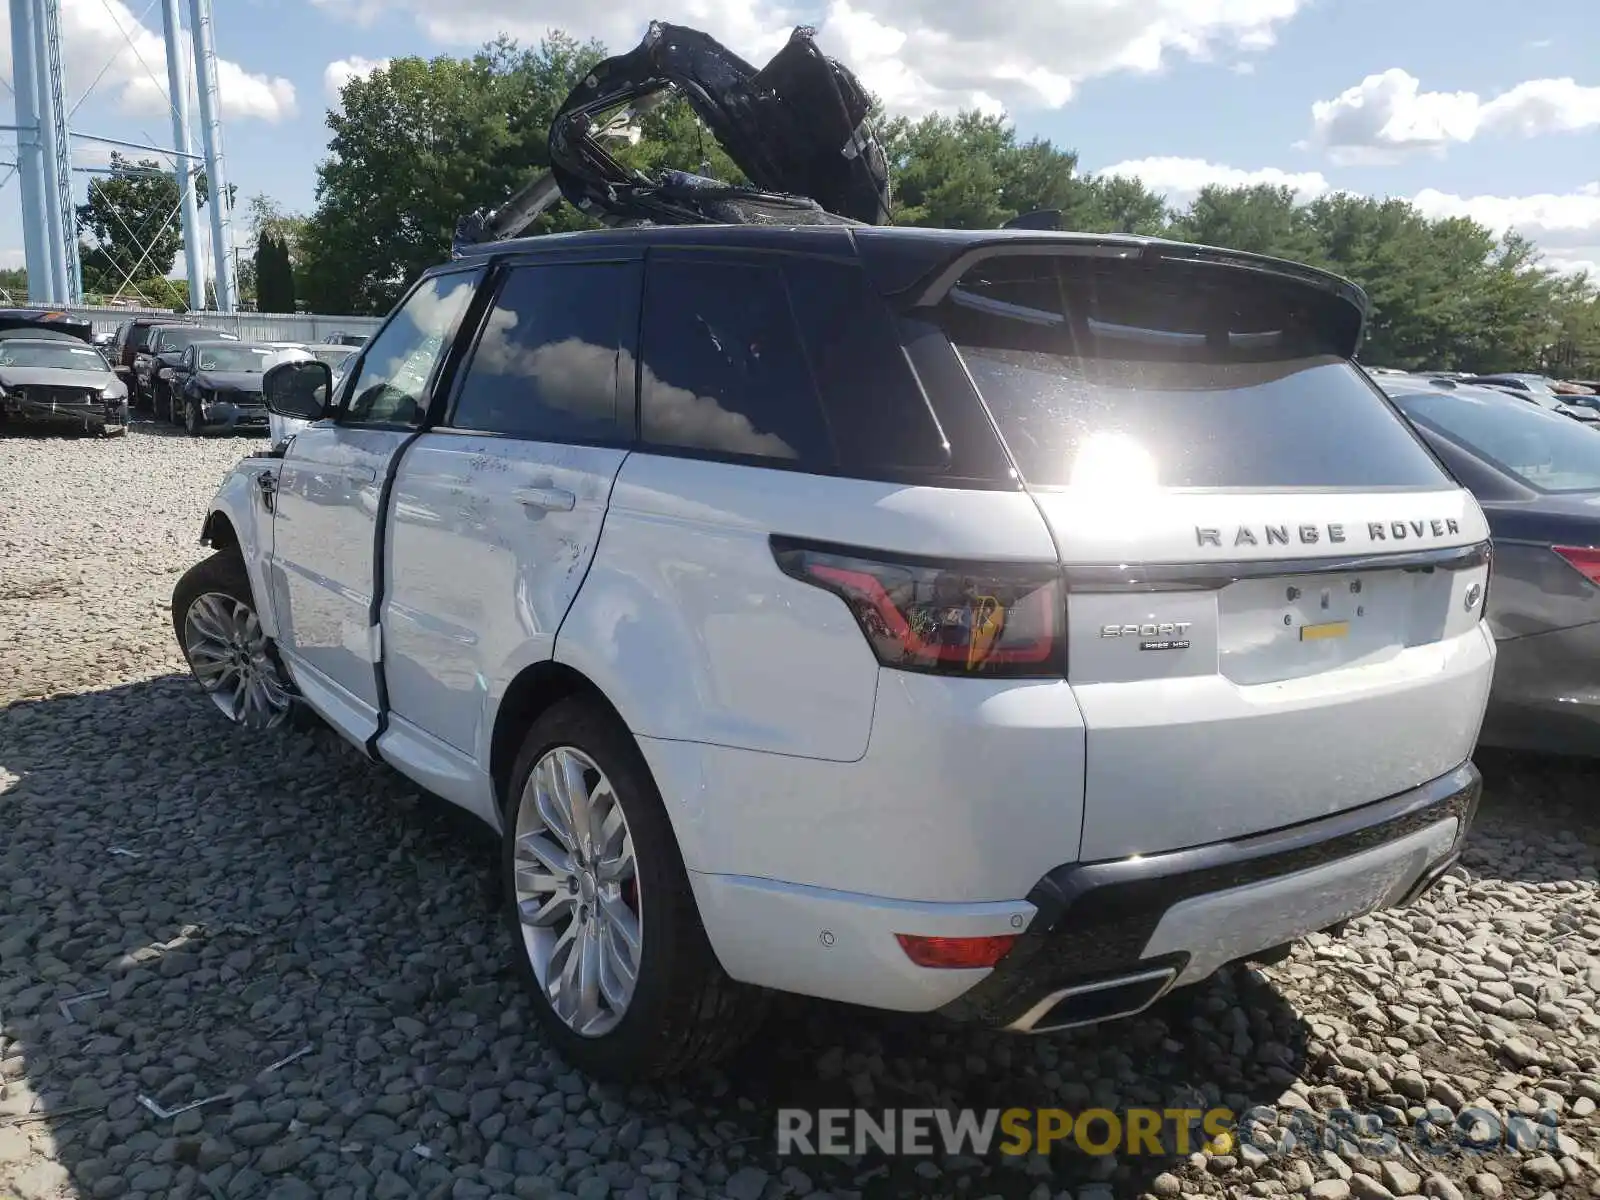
{"x":237,"y":901}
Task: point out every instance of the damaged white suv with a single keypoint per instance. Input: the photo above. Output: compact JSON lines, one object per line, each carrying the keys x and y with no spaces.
{"x":1011,"y":624}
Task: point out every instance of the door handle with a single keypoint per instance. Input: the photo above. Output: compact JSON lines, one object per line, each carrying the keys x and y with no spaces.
{"x":549,"y":499}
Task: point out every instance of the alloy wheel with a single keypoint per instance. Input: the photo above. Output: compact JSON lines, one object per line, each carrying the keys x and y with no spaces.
{"x":229,"y":656}
{"x":576,"y":886}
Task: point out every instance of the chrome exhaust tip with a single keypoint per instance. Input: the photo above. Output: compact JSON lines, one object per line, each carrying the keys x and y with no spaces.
{"x":1091,"y":1003}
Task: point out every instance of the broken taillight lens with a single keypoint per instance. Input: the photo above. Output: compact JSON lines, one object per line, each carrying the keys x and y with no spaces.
{"x":1585,"y":559}
{"x":943,"y":618}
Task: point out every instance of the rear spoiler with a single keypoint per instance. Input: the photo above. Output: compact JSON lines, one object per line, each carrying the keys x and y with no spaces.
{"x":931,"y":287}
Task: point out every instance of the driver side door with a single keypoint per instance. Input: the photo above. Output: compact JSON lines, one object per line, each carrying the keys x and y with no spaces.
{"x":328,"y":504}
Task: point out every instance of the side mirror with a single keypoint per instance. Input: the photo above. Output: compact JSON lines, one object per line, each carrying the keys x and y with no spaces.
{"x":298,"y":389}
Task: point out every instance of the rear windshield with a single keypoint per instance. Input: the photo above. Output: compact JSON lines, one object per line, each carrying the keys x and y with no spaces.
{"x":1199,"y":379}
{"x":1545,"y":450}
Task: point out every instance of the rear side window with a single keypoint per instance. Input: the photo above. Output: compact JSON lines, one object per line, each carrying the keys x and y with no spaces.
{"x":1546,"y":451}
{"x":724,"y":369}
{"x":1181,"y":377}
{"x":545,"y":366}
{"x":880,"y":418}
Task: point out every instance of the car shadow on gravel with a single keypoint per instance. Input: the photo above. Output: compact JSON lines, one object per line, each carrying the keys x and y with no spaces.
{"x":303,"y":940}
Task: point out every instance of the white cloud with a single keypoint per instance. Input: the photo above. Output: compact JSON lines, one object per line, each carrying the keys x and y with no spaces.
{"x":106,"y":36}
{"x":1180,"y":179}
{"x":1387,"y":116}
{"x":917,"y":54}
{"x":1565,"y":226}
{"x":341,"y":71}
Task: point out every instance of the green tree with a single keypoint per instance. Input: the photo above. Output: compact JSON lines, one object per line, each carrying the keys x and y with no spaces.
{"x":1261,"y":220}
{"x":418,"y":145}
{"x":274,"y":276}
{"x":132,"y":222}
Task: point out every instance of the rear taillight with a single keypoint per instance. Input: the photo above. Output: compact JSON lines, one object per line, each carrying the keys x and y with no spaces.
{"x":945,"y":618}
{"x":956,"y":953}
{"x":1585,"y":559}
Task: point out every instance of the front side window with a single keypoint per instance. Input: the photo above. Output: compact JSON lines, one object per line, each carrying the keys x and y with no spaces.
{"x":1543,"y":450}
{"x":724,"y":371}
{"x":545,"y":366}
{"x":392,"y":385}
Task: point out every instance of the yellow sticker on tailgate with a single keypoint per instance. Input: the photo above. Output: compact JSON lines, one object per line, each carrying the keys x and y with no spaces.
{"x":1329,"y":629}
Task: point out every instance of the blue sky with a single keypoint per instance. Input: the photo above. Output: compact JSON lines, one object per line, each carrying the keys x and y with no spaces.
{"x":1480,"y":107}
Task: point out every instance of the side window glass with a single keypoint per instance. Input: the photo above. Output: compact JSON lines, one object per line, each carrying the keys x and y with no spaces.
{"x":861,"y":371}
{"x":724,"y":371}
{"x":546,"y":365}
{"x":392,"y":388}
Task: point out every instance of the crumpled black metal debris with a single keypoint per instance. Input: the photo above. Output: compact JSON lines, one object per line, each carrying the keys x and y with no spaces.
{"x":797,"y":128}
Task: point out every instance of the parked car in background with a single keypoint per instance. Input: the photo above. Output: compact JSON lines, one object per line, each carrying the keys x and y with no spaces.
{"x":132,"y":339}
{"x":59,"y":380}
{"x":154,"y":366}
{"x":1537,"y":477}
{"x":216,"y":385}
{"x":335,"y":355}
{"x":339,"y":338}
{"x":801,"y":656}
{"x":1535,"y":389}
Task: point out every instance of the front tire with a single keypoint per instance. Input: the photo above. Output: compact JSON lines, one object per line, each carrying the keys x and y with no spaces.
{"x":231,"y":658}
{"x":194,"y":423}
{"x":609,"y":941}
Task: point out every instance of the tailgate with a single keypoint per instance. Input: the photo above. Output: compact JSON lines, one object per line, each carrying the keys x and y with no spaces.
{"x":1275,"y":592}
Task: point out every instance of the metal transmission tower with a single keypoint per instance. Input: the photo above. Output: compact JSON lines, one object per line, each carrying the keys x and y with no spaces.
{"x":205,"y":64}
{"x":44,"y":153}
{"x":178,"y":90}
{"x":59,"y":209}
{"x":30,"y":154}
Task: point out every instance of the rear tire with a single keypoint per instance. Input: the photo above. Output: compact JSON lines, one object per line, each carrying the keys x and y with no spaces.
{"x":682,"y":1010}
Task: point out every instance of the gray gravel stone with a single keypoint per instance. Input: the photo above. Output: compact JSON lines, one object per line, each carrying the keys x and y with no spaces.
{"x":279,"y":891}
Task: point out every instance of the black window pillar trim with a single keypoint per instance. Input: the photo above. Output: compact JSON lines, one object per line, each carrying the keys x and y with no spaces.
{"x":440,"y":384}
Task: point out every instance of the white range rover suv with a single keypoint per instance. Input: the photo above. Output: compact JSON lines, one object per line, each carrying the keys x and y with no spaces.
{"x":1013,"y":625}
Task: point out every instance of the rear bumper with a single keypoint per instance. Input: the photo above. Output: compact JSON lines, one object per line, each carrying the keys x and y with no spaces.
{"x":1186,"y":913}
{"x":1546,"y":693}
{"x":1096,"y":940}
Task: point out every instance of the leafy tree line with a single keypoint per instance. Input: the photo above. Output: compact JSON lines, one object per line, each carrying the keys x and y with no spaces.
{"x":418,"y":144}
